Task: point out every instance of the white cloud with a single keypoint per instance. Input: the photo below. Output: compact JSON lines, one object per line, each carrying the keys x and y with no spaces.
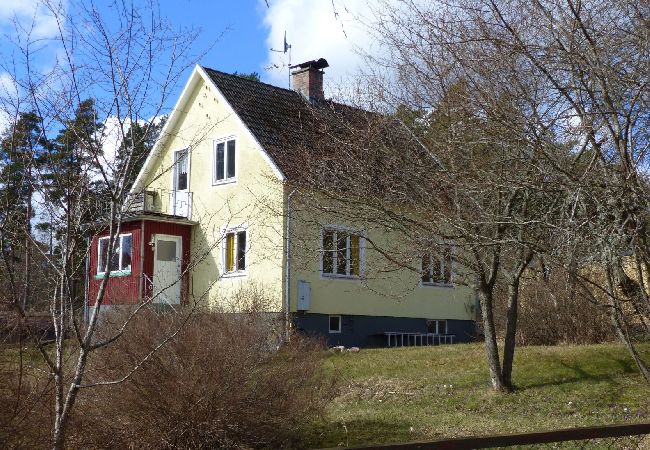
{"x":317,"y":29}
{"x":31,"y":15}
{"x":8,"y":99}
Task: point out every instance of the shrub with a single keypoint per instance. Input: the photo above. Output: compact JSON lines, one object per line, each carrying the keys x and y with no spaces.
{"x":221,"y":381}
{"x":553,"y":311}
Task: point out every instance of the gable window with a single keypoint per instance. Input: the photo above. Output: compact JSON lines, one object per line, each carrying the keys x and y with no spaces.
{"x":341,"y":252}
{"x":335,"y":324}
{"x":234,"y":251}
{"x":181,"y":166}
{"x":224,"y":161}
{"x":438,"y":269}
{"x":119,"y":260}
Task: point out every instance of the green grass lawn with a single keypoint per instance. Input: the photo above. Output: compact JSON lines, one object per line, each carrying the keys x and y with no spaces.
{"x":420,"y":393}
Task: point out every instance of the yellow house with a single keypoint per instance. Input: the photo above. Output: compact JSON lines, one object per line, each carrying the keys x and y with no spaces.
{"x":221,"y":168}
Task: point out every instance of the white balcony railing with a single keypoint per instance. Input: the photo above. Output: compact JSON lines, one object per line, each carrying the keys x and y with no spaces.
{"x":160,"y":201}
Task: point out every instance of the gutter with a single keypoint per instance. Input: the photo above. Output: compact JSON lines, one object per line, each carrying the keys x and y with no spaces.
{"x":287,"y":276}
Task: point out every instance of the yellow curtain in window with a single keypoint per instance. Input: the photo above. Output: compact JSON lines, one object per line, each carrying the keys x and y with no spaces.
{"x":354,"y":254}
{"x":230,"y":252}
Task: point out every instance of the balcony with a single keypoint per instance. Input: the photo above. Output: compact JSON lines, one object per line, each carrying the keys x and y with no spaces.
{"x":160,"y":202}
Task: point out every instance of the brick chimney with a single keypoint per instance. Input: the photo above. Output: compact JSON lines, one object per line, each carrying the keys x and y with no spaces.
{"x":307,"y":78}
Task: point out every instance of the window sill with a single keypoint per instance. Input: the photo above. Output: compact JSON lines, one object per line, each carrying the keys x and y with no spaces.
{"x":222,"y":182}
{"x":240,"y":274}
{"x":440,"y":285}
{"x":335,"y":276}
{"x":114,"y":273}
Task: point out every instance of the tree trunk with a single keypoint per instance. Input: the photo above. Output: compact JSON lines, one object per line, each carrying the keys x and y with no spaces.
{"x":511,"y":332}
{"x":621,"y":330}
{"x":491,"y":347}
{"x":28,"y":247}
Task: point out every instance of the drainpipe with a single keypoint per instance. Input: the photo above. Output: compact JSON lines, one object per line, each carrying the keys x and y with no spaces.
{"x":87,"y":277}
{"x":141,"y":281}
{"x":287,"y":277}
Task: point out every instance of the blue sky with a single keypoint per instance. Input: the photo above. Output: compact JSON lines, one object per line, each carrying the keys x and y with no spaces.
{"x":242,"y":31}
{"x":237,"y":27}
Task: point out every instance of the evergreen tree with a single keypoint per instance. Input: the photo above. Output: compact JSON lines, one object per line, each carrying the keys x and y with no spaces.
{"x":137,"y":145}
{"x":21,"y":151}
{"x":72,"y":188}
{"x":74,"y":156}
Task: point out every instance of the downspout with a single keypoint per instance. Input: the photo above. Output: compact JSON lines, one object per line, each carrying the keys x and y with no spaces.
{"x":287,"y":276}
{"x":86,"y":287}
{"x":141,"y":287}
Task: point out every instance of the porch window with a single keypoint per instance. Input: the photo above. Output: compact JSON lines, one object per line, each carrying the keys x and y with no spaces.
{"x":119,"y":260}
{"x":341,"y":252}
{"x":438,"y":269}
{"x":235,"y":247}
{"x":224,"y":161}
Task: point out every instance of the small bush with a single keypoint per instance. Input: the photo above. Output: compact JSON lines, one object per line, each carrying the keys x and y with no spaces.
{"x":553,"y":311}
{"x":221,"y":381}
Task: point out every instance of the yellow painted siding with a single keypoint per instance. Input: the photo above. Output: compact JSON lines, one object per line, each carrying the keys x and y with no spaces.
{"x":255,"y":200}
{"x":385,"y":289}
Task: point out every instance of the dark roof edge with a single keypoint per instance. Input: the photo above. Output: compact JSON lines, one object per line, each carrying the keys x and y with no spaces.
{"x":246,"y":80}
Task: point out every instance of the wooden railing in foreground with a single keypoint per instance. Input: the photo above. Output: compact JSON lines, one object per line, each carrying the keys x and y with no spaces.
{"x":630,"y":436}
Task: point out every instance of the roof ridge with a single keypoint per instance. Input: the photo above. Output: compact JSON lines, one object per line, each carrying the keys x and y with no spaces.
{"x":247,"y":80}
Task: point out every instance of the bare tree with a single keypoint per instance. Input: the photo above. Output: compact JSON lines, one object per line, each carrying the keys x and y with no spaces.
{"x":118,"y":64}
{"x":565,"y":85}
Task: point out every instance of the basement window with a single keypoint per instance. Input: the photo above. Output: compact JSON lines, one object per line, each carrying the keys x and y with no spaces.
{"x":342,"y":252}
{"x":119,"y":260}
{"x":225,"y":159}
{"x":335,"y":324}
{"x":437,"y":326}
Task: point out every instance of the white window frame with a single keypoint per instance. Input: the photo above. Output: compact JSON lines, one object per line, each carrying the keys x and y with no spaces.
{"x":189,"y":165}
{"x":225,"y":141}
{"x":225,"y":231}
{"x":441,"y":261}
{"x":437,"y":323}
{"x":362,"y":252}
{"x":329,"y":324}
{"x":118,"y":243}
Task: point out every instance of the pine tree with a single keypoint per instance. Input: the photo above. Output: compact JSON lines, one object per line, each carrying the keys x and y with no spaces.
{"x":137,"y":144}
{"x":21,"y":152}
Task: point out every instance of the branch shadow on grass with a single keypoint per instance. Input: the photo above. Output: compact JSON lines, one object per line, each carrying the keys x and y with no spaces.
{"x":583,"y":375}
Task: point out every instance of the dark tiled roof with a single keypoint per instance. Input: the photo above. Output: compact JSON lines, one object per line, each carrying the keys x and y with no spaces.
{"x":275,"y":116}
{"x":300,"y":135}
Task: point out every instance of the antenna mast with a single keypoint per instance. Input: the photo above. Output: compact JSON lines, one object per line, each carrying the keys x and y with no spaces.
{"x":286,"y":48}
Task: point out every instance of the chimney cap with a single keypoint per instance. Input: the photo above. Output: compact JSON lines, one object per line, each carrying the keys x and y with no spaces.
{"x":317,"y":64}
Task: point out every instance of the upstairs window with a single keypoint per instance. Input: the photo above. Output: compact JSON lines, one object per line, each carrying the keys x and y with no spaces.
{"x":234,"y":258}
{"x":224,"y":161}
{"x":119,"y":260}
{"x":181,"y":169}
{"x":438,"y":269}
{"x":341,"y":253}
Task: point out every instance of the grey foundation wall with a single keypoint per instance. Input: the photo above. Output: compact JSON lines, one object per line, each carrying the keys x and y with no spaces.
{"x":368,"y":331}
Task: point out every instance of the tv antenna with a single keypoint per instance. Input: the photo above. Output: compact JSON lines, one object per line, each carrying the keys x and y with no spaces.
{"x":286,"y":49}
